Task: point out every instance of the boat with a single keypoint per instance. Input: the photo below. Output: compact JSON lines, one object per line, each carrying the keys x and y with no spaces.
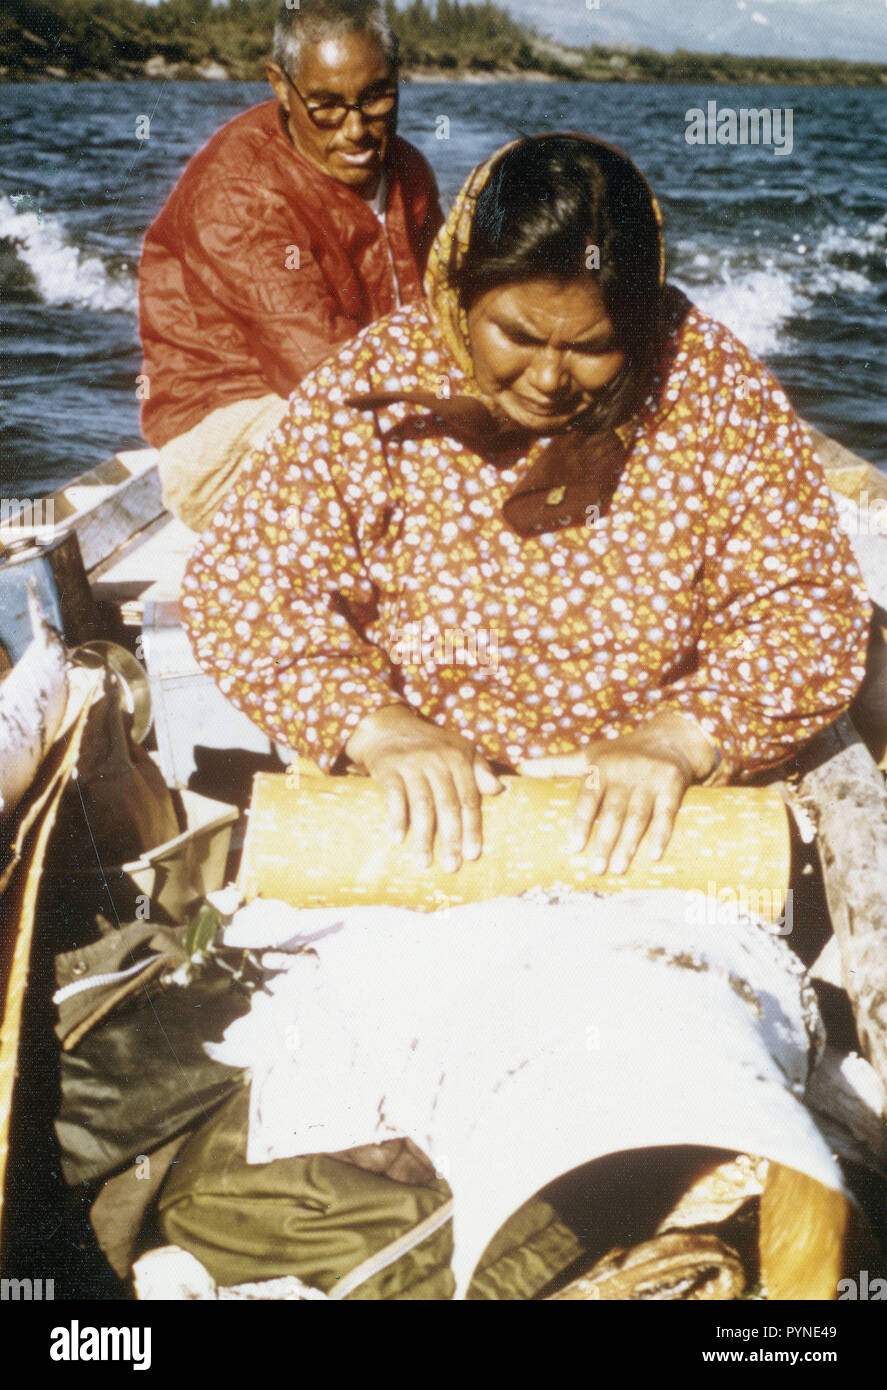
{"x":106,"y":562}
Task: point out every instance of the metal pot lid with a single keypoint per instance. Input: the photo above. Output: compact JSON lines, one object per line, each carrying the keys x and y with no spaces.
{"x":131,"y":678}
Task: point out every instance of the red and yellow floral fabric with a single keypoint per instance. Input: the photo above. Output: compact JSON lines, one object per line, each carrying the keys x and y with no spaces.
{"x":362,"y":558}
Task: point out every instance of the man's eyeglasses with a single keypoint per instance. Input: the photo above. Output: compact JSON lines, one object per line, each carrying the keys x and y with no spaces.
{"x":329,"y":115}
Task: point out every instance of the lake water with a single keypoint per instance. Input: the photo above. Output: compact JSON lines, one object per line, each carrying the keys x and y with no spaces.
{"x":790,"y":250}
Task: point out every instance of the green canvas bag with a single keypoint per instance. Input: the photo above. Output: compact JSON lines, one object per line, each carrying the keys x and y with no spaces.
{"x":353,"y":1234}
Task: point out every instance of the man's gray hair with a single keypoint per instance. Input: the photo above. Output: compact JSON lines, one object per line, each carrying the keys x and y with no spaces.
{"x":311,"y":21}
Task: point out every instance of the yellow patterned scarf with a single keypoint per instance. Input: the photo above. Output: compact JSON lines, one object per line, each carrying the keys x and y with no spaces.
{"x":576,"y":470}
{"x":451,"y":244}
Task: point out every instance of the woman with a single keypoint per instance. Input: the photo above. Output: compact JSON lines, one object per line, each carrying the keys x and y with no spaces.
{"x":559,"y":455}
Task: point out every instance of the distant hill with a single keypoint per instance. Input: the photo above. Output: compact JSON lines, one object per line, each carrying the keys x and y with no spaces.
{"x":854,"y":30}
{"x":44,"y":40}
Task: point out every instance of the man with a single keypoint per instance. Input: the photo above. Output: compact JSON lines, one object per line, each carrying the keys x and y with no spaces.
{"x":299,"y":223}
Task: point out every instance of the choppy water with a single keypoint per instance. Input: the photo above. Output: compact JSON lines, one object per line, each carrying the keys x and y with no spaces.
{"x":789,"y":251}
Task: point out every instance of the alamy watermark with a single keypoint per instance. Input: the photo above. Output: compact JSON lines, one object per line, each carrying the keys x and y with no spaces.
{"x":26,"y":1290}
{"x":415,"y":644}
{"x":871,"y":1290}
{"x":78,"y":1342}
{"x":720,"y":906}
{"x":31,"y":514}
{"x":867,"y":518}
{"x":748,"y":126}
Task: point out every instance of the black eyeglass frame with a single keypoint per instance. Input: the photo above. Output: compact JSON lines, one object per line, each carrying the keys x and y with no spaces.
{"x":345,"y":107}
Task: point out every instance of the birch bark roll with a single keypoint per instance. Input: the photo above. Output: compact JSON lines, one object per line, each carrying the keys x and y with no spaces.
{"x":316,"y":841}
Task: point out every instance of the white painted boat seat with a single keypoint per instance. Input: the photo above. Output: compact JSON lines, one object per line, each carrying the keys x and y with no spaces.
{"x":149,"y":571}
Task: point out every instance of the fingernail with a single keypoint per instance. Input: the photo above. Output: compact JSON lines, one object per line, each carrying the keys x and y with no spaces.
{"x":449,"y":863}
{"x":598,"y":865}
{"x":657,"y":852}
{"x":423,"y":861}
{"x":471,"y":851}
{"x":619,"y":864}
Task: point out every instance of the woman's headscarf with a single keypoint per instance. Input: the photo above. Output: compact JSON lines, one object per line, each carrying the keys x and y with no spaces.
{"x":578,"y":469}
{"x":451,"y":244}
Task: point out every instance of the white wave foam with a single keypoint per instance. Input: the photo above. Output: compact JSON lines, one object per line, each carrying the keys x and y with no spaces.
{"x":62,"y":273}
{"x":753,"y":305}
{"x":838,"y":241}
{"x":756,"y":301}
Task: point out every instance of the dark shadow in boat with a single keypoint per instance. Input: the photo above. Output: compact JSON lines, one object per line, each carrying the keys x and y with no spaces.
{"x":226,"y":774}
{"x":619,"y":1201}
{"x":46,"y":1228}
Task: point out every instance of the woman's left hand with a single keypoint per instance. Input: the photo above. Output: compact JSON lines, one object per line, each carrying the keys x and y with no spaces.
{"x":631,"y":784}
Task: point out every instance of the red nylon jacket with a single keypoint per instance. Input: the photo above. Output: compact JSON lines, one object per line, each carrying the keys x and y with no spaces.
{"x":222,"y":316}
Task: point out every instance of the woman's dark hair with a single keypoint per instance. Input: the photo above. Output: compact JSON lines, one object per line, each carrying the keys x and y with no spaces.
{"x":546,"y":203}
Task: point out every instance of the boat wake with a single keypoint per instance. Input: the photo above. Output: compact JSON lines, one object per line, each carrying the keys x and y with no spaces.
{"x":756,"y":291}
{"x":39,"y":261}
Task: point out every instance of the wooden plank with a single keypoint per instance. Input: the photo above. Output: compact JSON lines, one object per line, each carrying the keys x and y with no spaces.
{"x":845,"y":796}
{"x":147,"y":571}
{"x":848,"y":473}
{"x":869,"y":708}
{"x":120,"y":515}
{"x":127,"y":464}
{"x":844,"y":1088}
{"x":105,"y":507}
{"x":854,"y":478}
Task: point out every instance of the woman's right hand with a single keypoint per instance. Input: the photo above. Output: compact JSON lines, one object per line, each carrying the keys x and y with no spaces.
{"x":433,"y":781}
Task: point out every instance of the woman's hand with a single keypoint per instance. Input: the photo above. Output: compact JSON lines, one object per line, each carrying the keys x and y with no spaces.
{"x":433,"y":781}
{"x":630,"y":785}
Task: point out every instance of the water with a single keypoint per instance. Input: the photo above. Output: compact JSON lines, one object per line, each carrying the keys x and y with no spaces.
{"x":789,"y":251}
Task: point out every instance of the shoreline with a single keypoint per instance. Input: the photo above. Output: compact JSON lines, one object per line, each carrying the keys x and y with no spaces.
{"x":159,"y":70}
{"x":125,"y":41}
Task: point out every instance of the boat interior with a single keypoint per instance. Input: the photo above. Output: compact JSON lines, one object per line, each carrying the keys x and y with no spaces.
{"x":108,"y":572}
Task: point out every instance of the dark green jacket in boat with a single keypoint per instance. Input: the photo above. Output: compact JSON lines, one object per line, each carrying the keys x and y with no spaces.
{"x":351,"y":1233}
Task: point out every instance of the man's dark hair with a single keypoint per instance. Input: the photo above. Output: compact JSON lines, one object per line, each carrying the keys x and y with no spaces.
{"x":547,"y":202}
{"x":312,"y":21}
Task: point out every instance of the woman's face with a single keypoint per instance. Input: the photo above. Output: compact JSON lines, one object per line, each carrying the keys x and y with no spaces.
{"x":543,"y":349}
